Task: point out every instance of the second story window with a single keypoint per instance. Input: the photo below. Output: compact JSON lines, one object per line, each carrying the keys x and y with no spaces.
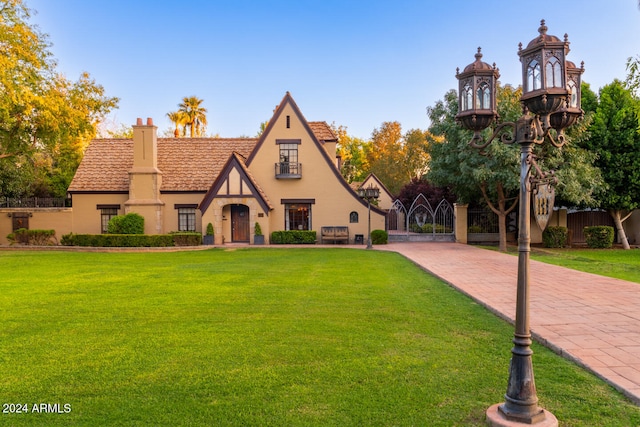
{"x":288,"y":166}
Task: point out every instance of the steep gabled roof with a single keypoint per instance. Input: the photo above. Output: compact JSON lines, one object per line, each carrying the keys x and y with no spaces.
{"x":236,"y":162}
{"x":187,"y":164}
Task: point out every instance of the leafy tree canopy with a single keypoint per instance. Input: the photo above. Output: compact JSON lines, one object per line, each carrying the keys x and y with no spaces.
{"x":46,"y":120}
{"x":615,"y":139}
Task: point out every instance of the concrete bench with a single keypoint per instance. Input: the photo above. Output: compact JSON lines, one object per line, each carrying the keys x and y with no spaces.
{"x":335,"y":234}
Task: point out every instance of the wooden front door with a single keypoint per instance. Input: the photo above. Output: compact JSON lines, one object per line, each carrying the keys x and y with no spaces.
{"x":240,"y":223}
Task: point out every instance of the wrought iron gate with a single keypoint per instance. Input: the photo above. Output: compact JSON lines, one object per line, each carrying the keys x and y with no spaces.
{"x":421,"y":222}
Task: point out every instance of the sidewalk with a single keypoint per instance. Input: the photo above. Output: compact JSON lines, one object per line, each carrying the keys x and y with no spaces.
{"x":591,"y":320}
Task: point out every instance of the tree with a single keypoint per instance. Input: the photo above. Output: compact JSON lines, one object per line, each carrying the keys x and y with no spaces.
{"x":353,"y":152}
{"x":432,"y":193}
{"x":396,"y":158}
{"x":615,"y":138}
{"x":195,"y":116}
{"x":46,"y":121}
{"x":178,"y":118}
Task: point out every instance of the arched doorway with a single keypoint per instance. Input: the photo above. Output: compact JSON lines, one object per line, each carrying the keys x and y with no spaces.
{"x":240,"y":230}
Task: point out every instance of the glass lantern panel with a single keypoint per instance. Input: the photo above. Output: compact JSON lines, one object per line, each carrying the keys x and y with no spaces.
{"x":553,"y":72}
{"x":483,"y":100}
{"x":573,"y":92}
{"x":467,"y":98}
{"x":534,"y":79}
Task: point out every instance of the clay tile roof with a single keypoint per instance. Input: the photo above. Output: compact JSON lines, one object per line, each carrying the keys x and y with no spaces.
{"x":322,"y":131}
{"x":186,"y":164}
{"x":193,"y":164}
{"x":105,"y":166}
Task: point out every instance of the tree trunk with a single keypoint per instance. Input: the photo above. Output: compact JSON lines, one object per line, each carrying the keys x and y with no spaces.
{"x":618,"y":220}
{"x":502,"y":228}
{"x":502,"y":211}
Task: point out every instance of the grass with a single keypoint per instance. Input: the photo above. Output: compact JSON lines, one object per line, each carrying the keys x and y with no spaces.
{"x":617,"y":263}
{"x":263,"y":337}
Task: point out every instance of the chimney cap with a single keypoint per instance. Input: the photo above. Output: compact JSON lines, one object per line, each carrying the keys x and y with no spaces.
{"x":138,"y":121}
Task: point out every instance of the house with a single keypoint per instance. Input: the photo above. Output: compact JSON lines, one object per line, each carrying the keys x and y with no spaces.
{"x":287,"y":179}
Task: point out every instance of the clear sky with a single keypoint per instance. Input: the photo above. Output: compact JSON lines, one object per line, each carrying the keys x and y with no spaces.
{"x":356,"y":63}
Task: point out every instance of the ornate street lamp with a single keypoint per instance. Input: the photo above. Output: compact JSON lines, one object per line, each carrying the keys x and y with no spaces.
{"x":551,"y":100}
{"x":369,"y":193}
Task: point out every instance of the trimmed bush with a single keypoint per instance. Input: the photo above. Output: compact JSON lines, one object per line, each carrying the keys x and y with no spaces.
{"x":187,"y":238}
{"x":379,"y":237}
{"x":32,"y":237}
{"x":118,"y":240}
{"x":555,"y":237}
{"x":599,"y":236}
{"x":291,"y":237}
{"x":131,"y":223}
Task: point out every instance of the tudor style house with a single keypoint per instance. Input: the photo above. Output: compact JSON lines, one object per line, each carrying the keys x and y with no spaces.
{"x":287,"y":179}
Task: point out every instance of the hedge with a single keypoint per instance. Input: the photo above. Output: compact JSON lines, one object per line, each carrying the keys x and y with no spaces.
{"x":187,"y":238}
{"x":379,"y":237}
{"x":32,"y":237}
{"x":599,"y":236}
{"x":290,"y":237}
{"x":555,"y":237}
{"x":118,"y":240}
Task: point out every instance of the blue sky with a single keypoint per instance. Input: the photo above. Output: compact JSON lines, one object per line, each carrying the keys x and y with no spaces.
{"x":352,"y":62}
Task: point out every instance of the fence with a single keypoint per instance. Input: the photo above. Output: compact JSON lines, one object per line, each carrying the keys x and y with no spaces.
{"x":35,"y":202}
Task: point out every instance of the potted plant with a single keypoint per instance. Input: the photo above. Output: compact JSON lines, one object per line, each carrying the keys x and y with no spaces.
{"x":258,"y":238}
{"x":207,"y":239}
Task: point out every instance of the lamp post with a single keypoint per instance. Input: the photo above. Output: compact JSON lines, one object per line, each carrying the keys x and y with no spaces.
{"x":369,"y":193}
{"x":551,"y":100}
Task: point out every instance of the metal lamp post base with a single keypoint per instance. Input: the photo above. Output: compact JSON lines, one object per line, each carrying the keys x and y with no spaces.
{"x":495,"y":418}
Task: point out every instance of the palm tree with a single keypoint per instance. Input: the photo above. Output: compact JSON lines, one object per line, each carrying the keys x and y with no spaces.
{"x":178,"y":119}
{"x":195,"y":116}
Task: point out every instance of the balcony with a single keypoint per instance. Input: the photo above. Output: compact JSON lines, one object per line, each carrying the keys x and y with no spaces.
{"x":288,"y":170}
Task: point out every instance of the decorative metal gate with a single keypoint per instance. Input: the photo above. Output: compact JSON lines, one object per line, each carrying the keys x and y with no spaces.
{"x":421,"y":222}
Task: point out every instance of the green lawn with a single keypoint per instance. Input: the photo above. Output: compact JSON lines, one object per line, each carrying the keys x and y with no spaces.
{"x":618,"y":263}
{"x":262,"y":337}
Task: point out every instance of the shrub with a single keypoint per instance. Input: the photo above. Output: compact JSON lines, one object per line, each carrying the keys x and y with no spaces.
{"x":209,"y":229}
{"x":290,"y":237}
{"x":379,"y":237}
{"x":187,"y":238}
{"x":555,"y":237}
{"x":257,"y":230}
{"x":600,"y":236}
{"x":118,"y":240}
{"x":131,"y":223}
{"x":32,"y":237}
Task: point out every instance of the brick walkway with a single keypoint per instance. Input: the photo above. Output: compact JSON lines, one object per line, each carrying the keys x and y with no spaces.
{"x":592,"y":320}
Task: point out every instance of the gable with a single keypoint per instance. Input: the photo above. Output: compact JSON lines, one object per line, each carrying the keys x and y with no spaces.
{"x":235,"y":180}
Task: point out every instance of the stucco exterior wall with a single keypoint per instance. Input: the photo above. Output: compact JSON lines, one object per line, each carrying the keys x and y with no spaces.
{"x":320,"y":181}
{"x":58,"y":219}
{"x":86,"y":215}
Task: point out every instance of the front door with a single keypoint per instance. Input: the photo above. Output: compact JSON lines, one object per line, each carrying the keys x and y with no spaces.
{"x":240,"y":223}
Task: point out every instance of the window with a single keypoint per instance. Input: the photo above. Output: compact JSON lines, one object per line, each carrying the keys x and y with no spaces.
{"x":297,"y":216}
{"x":534,"y":81}
{"x":186,"y":219}
{"x":353,"y":217}
{"x":105,"y":216}
{"x":553,"y":73}
{"x":289,"y":158}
